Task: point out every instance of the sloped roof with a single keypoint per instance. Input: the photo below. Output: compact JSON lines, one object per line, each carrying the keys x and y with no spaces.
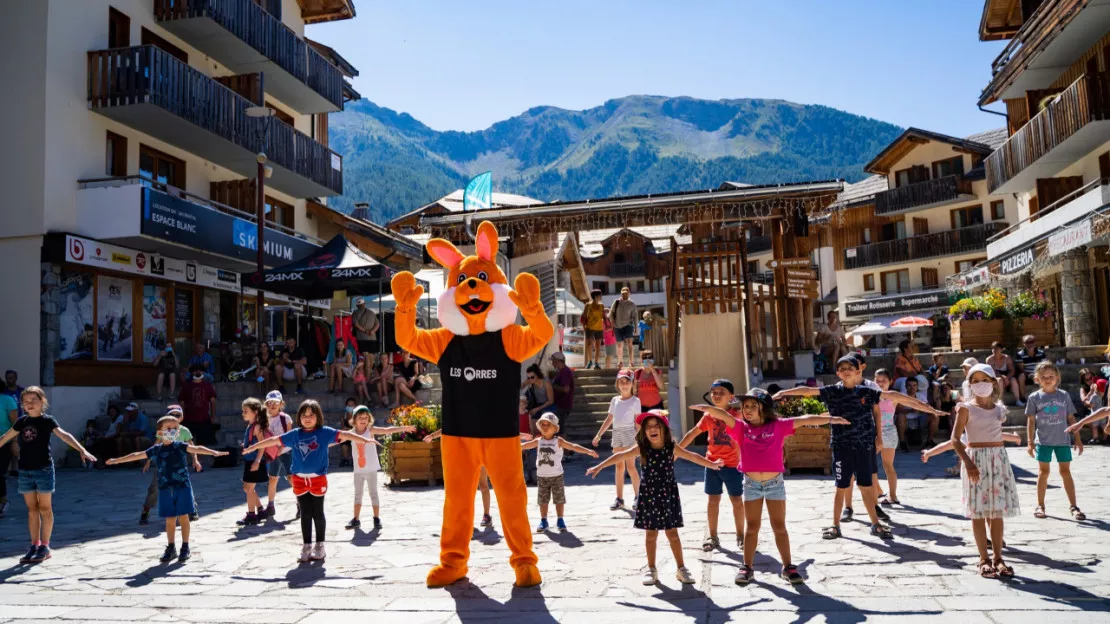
{"x":453,"y":202}
{"x":860,"y":192}
{"x":993,"y":138}
{"x":913,"y":137}
{"x":590,"y":241}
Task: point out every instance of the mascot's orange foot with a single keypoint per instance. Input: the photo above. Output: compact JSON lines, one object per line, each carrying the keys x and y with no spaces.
{"x":527,"y":575}
{"x":442,"y":576}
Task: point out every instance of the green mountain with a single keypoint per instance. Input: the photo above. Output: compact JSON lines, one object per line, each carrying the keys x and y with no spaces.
{"x":628,"y":146}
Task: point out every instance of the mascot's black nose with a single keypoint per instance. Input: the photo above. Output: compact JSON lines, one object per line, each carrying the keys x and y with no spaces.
{"x":472,"y":283}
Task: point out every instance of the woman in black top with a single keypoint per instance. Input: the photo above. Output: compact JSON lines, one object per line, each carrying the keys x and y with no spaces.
{"x":264,"y":366}
{"x":407,"y":380}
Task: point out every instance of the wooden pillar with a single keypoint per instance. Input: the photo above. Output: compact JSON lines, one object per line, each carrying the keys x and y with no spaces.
{"x":782,"y":310}
{"x":746,"y":296}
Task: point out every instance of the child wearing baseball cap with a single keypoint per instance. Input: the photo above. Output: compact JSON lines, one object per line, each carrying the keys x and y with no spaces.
{"x":549,"y":468}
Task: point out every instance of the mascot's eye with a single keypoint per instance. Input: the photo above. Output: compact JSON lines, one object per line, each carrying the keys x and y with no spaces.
{"x":482,"y":276}
{"x":462,"y":277}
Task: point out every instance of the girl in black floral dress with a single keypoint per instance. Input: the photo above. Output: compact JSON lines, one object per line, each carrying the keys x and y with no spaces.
{"x":660,"y":508}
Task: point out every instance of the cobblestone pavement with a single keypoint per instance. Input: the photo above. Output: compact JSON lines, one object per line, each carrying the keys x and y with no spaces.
{"x":105,"y":566}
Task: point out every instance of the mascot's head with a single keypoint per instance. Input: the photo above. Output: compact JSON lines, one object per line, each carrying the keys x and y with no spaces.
{"x":477,"y":295}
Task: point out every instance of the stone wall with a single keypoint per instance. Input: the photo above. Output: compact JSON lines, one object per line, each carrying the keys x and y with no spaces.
{"x":1077,"y":299}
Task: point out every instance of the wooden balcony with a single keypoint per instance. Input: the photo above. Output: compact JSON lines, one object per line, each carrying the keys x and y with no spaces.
{"x":627,"y":269}
{"x":947,"y":243}
{"x":759,"y":244}
{"x":922,"y":195}
{"x":149,"y":90}
{"x":1068,"y":128}
{"x":246,"y":38}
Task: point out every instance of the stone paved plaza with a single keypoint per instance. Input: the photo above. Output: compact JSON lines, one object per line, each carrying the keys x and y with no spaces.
{"x":105,"y":566}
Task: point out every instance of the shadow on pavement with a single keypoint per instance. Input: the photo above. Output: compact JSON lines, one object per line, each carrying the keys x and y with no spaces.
{"x":525,"y":605}
{"x":1061,"y":593}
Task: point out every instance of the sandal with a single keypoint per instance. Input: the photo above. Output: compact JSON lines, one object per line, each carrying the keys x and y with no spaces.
{"x":1038,"y":512}
{"x":1078,"y":515}
{"x":1003,"y":570}
{"x":881,"y":532}
{"x":711,"y":543}
{"x":986,"y":569}
{"x":832,"y":532}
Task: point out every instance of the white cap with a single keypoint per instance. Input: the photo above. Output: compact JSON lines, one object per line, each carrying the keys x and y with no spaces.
{"x":969,"y":362}
{"x":986,"y":369}
{"x":132,"y":407}
{"x":274,"y":395}
{"x":558,"y":355}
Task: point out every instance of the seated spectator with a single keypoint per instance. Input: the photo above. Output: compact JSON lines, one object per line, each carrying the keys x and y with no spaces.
{"x":130,"y":431}
{"x":965,"y":387}
{"x":1027,"y":358}
{"x":264,"y":368}
{"x":936,"y":374}
{"x":90,"y":438}
{"x":946,"y":399}
{"x":293,"y":365}
{"x":926,"y":423}
{"x":906,"y":364}
{"x":202,"y":359}
{"x":166,"y":363}
{"x":1004,"y":368}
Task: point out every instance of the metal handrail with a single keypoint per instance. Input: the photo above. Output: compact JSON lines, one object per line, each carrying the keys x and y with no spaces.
{"x":142,"y":180}
{"x":1083,"y":190}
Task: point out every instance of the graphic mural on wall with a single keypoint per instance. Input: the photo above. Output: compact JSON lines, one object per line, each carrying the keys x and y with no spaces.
{"x":77,"y":337}
{"x":114,"y":322}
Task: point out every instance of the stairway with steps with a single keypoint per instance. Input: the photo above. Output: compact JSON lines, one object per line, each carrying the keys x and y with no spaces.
{"x":593,"y":390}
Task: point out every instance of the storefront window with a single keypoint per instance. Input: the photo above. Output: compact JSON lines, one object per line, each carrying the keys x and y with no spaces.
{"x":114,"y":320}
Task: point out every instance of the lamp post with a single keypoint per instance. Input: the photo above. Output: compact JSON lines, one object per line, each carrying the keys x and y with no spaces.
{"x":264,"y":114}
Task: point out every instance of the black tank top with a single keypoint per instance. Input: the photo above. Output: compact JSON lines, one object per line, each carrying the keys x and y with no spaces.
{"x":481,"y":388}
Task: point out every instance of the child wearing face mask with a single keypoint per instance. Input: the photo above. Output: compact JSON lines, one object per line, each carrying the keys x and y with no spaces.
{"x":175,"y":491}
{"x":183,"y":435}
{"x":761,"y":436}
{"x":989,"y":487}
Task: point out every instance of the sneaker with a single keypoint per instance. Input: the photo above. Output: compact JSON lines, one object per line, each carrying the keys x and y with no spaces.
{"x":270,"y":511}
{"x":318,"y":553}
{"x":617,"y":504}
{"x":683,"y":575}
{"x":846,"y":516}
{"x":589,"y":365}
{"x":42,"y":553}
{"x":790,"y":573}
{"x":487,"y":520}
{"x":353,"y":524}
{"x":651,"y":577}
{"x":377,"y":523}
{"x":185,"y":554}
{"x":543,"y":526}
{"x":745,"y":575}
{"x":306,"y":553}
{"x":562,"y":526}
{"x":882,"y":515}
{"x":30,"y":554}
{"x":248,"y":519}
{"x":170,"y":553}
{"x":144,"y":518}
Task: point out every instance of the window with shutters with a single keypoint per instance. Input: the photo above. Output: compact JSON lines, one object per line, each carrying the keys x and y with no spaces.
{"x":998,"y":210}
{"x":920,"y":226}
{"x":895,"y":281}
{"x":966,"y":217}
{"x":929,"y":278}
{"x":869,"y":282}
{"x":948,"y":166}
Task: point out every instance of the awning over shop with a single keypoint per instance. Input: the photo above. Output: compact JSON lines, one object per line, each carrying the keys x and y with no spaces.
{"x":880,"y":325}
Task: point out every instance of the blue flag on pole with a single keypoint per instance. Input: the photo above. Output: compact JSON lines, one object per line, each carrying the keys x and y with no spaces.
{"x":479,"y":193}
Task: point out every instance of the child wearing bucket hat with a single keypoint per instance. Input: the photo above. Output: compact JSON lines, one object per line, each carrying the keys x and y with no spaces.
{"x":722,"y":446}
{"x":549,"y":468}
{"x":660,"y":508}
{"x":762,"y":436}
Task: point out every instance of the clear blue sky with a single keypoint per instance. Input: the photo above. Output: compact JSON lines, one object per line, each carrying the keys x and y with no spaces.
{"x":458,"y":65}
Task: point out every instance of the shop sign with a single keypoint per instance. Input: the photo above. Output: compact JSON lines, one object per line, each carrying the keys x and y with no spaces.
{"x":180,"y":221}
{"x":1017,"y":262}
{"x":908,"y":302}
{"x":1070,"y":238}
{"x":797,"y":263}
{"x":979,"y":276}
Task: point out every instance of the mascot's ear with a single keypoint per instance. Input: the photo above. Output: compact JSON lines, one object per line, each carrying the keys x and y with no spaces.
{"x":443,"y":252}
{"x":487,"y":241}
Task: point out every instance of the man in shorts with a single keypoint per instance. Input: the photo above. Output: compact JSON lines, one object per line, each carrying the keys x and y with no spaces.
{"x":623,"y":314}
{"x":366,"y":327}
{"x":593,"y":324}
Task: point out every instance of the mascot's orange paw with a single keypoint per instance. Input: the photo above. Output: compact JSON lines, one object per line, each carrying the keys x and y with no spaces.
{"x":406,"y":292}
{"x":527,"y":575}
{"x":442,"y":576}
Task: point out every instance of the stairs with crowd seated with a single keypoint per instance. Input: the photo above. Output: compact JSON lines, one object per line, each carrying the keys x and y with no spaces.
{"x":593,"y":390}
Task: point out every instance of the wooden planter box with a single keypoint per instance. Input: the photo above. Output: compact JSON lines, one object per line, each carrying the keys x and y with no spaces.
{"x":976,"y":334}
{"x":1043,"y":329}
{"x":414,"y":461}
{"x":808,"y":448}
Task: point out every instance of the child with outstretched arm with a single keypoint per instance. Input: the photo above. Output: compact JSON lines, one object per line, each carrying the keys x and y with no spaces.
{"x":175,"y":491}
{"x":549,"y":468}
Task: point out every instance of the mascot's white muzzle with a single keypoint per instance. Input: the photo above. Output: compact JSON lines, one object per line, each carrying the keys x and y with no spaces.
{"x":499,"y":316}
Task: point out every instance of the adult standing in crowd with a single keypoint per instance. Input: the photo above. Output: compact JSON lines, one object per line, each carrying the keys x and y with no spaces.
{"x":649,"y":385}
{"x":593,"y":327}
{"x":624,"y":315}
{"x":9,"y":413}
{"x":1027,"y":358}
{"x":366,"y":327}
{"x":562,"y":386}
{"x":198,"y":405}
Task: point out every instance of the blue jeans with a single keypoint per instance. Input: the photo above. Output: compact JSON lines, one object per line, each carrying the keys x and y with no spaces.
{"x":37,"y":481}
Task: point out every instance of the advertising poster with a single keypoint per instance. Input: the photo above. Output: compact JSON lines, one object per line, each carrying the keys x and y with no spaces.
{"x":76,"y":334}
{"x":114,"y":322}
{"x":183,"y":311}
{"x":154,"y":321}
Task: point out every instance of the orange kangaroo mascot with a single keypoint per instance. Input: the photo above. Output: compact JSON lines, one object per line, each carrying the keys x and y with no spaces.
{"x":479,"y":350}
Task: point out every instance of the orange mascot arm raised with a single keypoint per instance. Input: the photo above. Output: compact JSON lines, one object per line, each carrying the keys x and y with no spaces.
{"x":423,"y":343}
{"x":521,"y":342}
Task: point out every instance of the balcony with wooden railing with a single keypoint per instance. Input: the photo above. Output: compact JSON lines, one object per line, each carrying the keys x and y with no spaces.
{"x":948,"y":243}
{"x":923,"y":195}
{"x":153,"y":92}
{"x":246,"y":38}
{"x":1070,"y":126}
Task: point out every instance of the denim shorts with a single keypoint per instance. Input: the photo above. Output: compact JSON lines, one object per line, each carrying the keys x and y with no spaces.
{"x":717,"y":481}
{"x":280,"y":466}
{"x":175,"y":501}
{"x":41,"y":480}
{"x":773,"y":489}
